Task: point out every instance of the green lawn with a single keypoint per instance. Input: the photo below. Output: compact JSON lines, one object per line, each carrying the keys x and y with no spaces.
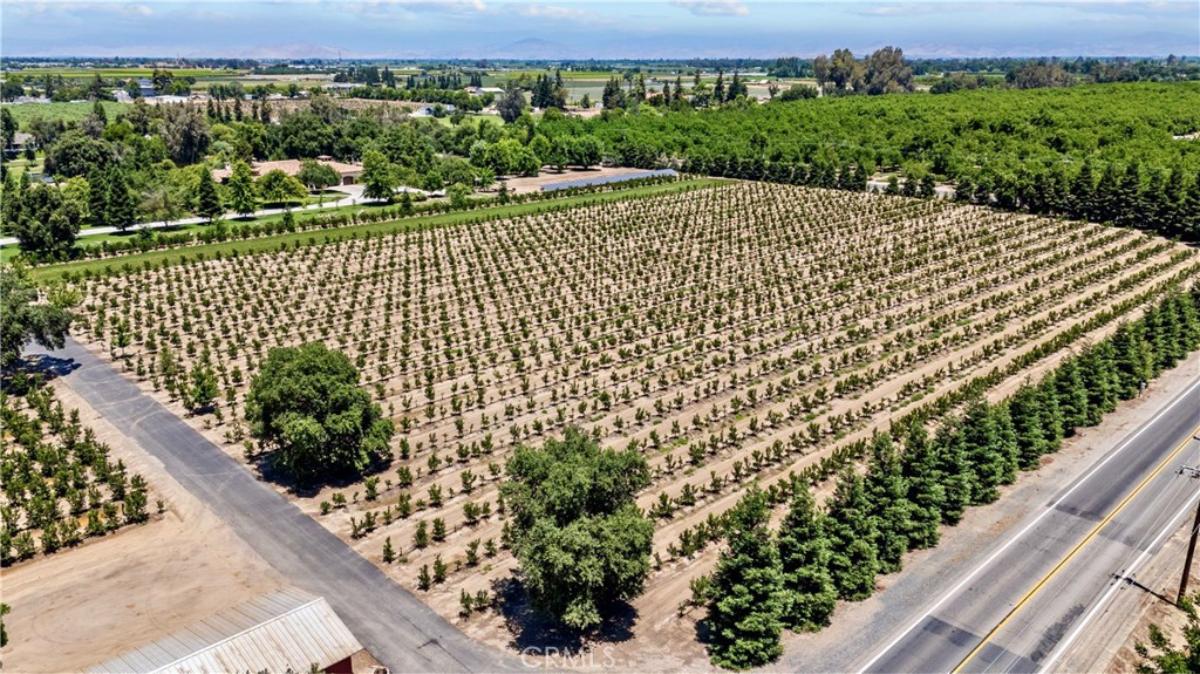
{"x":268,"y":243}
{"x":21,"y":164}
{"x":67,"y":112}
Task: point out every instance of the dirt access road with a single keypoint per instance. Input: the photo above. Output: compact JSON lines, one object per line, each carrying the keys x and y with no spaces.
{"x":397,"y":628}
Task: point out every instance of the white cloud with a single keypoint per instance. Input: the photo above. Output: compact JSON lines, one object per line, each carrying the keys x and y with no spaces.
{"x":713,"y":7}
{"x":430,"y":6}
{"x":538,"y":10}
{"x":1122,"y":7}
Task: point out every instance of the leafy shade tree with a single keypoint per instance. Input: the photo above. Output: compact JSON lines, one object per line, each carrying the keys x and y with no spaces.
{"x":305,"y":403}
{"x":748,"y":594}
{"x":854,"y":563}
{"x":586,"y":151}
{"x":162,"y":203}
{"x":316,"y":175}
{"x":458,"y":194}
{"x":804,"y":555}
{"x":208,"y":200}
{"x":578,"y":534}
{"x":45,"y":219}
{"x":185,"y":132}
{"x":277,"y":187}
{"x":378,"y":180}
{"x":511,"y":105}
{"x":243,"y":198}
{"x":23,"y":317}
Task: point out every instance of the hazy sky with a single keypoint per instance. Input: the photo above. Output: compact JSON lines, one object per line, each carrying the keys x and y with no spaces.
{"x":599,"y":28}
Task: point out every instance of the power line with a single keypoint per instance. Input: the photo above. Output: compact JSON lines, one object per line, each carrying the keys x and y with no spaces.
{"x":1194,"y":473}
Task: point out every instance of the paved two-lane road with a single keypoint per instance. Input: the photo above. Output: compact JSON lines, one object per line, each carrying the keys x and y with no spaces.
{"x":394,"y":625}
{"x":1039,"y":586}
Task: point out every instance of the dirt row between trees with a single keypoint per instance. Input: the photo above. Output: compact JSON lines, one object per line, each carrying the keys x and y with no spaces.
{"x":648,"y":323}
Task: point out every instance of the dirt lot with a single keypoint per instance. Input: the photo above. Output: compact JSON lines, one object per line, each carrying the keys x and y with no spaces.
{"x":80,"y":607}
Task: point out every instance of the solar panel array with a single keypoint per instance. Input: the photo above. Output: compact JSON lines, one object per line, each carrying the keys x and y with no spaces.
{"x":607,"y":180}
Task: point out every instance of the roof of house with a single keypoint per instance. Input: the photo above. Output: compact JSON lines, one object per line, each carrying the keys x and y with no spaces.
{"x":289,"y":166}
{"x":277,"y":632}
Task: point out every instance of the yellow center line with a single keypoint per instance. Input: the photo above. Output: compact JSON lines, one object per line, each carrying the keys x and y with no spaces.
{"x":1074,"y":551}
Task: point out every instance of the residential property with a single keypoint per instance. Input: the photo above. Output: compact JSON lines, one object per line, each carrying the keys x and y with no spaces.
{"x":431,"y":110}
{"x":348,"y":173}
{"x":20,"y":140}
{"x":146,"y":88}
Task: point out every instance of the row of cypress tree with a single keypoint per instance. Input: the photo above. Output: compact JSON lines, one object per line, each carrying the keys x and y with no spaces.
{"x":792,"y":578}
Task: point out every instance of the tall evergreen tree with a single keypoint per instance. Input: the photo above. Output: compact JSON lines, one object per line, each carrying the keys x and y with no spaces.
{"x":926,"y":495}
{"x":981,"y":443}
{"x":1132,"y":358}
{"x":888,"y":495}
{"x":1191,"y":206}
{"x":1072,"y":397}
{"x":853,"y":563}
{"x":804,"y":555}
{"x":1026,"y":412}
{"x":1127,"y":200}
{"x":1107,"y":195}
{"x":1008,"y":448}
{"x":748,"y":598}
{"x":1052,"y":416}
{"x":242,"y":196}
{"x":1188,"y":317}
{"x":1083,"y":194}
{"x":1099,"y":374}
{"x":955,"y":470}
{"x":208,"y":201}
{"x":122,"y":213}
{"x":98,"y":197}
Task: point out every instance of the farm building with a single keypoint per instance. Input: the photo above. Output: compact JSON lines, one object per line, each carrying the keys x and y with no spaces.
{"x":287,"y":630}
{"x":347,"y":173}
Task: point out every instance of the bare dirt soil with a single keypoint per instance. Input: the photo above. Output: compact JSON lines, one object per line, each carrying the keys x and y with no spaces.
{"x":79,"y":607}
{"x":733,"y":335}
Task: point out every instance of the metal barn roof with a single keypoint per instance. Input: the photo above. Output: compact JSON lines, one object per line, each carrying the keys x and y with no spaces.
{"x":283,"y":630}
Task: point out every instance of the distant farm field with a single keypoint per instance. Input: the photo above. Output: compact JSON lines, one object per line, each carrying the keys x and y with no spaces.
{"x":67,"y":112}
{"x":123,"y":73}
{"x":732,"y":334}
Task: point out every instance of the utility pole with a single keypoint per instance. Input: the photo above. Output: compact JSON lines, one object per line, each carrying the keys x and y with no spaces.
{"x":1194,"y":473}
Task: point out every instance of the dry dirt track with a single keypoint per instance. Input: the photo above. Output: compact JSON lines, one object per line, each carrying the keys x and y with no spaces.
{"x":395,"y":626}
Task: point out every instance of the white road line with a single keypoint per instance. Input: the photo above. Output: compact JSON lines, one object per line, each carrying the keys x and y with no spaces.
{"x":1013,"y":539}
{"x":1171,"y":527}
